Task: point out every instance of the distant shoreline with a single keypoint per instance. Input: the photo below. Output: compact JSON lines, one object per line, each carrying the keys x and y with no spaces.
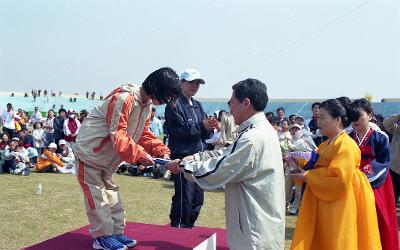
{"x":22,"y":94}
{"x":211,"y":99}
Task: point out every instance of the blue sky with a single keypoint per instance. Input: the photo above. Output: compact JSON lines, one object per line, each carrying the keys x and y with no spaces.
{"x":300,"y":49}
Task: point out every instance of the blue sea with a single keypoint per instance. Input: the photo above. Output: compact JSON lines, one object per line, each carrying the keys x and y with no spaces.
{"x":291,"y":107}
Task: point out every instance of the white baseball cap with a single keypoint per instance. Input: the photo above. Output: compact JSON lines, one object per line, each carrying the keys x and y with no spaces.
{"x":52,"y":145}
{"x":62,"y":142}
{"x":295,"y":126}
{"x":191,"y":74}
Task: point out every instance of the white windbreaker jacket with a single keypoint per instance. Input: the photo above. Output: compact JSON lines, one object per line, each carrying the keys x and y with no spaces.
{"x":252,"y":171}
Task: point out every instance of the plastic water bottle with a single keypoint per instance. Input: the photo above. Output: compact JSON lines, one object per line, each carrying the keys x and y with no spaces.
{"x":39,"y":189}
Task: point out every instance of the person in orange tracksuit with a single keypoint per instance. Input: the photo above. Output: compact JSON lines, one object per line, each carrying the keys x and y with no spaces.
{"x":117,"y":131}
{"x":49,"y":161}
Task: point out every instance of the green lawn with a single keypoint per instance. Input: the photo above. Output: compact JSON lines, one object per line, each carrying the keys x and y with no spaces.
{"x":27,"y":218}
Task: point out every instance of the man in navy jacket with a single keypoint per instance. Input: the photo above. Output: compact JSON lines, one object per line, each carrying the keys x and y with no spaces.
{"x":188,"y":127}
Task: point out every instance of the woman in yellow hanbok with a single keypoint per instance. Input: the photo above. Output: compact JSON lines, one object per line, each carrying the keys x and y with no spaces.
{"x":338,"y":207}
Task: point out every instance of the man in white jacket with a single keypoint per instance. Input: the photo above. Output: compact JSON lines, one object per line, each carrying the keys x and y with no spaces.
{"x":251,"y":170}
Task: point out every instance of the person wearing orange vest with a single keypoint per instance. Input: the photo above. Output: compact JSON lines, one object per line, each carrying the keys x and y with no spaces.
{"x":49,"y":161}
{"x":117,"y":131}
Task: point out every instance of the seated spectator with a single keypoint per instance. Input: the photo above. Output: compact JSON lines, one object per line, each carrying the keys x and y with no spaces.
{"x":49,"y":161}
{"x":9,"y":157}
{"x":21,"y":164}
{"x":3,"y":144}
{"x":15,"y":155}
{"x":67,"y":157}
{"x":26,"y":141}
{"x":136,"y":170}
{"x":5,"y":138}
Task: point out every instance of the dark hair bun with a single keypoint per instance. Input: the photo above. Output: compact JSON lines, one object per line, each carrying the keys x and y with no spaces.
{"x":341,"y":107}
{"x":352,"y":113}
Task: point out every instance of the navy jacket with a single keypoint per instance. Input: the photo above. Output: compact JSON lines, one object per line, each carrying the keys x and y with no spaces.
{"x":186,"y":131}
{"x":58,"y":127}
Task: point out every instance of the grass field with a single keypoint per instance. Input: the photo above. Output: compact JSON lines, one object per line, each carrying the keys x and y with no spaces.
{"x":27,"y":218}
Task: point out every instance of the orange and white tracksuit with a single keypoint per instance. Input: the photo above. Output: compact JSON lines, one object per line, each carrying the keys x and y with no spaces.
{"x":116,"y":131}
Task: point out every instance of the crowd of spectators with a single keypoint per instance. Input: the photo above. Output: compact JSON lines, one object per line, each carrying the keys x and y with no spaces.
{"x":43,"y":142}
{"x":35,"y":140}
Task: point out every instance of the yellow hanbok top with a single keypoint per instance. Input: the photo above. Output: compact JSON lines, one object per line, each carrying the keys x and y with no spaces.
{"x":338,"y":207}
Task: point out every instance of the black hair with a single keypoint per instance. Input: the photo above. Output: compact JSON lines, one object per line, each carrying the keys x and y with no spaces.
{"x":49,"y":112}
{"x":363,"y":104}
{"x":292,"y":115}
{"x":336,"y":109}
{"x":269,"y":113}
{"x":315,"y":104}
{"x":4,"y":133}
{"x":62,"y":110}
{"x":22,"y":130}
{"x":344,"y":100}
{"x":254,"y":90}
{"x":279,"y":109}
{"x":163,"y":85}
{"x":283,"y":120}
{"x":380,"y":117}
{"x":274,"y":121}
{"x":34,"y":125}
